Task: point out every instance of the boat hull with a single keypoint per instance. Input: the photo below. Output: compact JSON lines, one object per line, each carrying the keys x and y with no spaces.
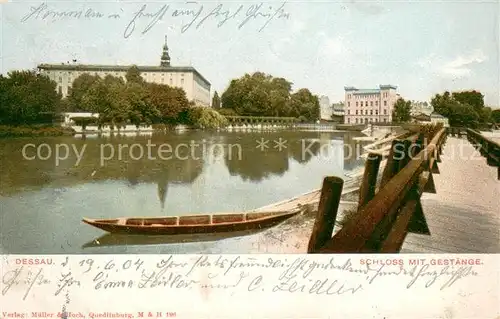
{"x":191,"y":229}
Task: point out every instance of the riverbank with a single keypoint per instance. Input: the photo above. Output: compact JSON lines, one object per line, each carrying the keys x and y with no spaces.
{"x":7,"y":131}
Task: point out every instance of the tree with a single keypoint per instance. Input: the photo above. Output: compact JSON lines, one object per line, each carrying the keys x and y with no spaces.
{"x":27,"y":97}
{"x":472,"y":98}
{"x":204,"y":117}
{"x":79,"y":88}
{"x":462,"y":108}
{"x":304,"y":103}
{"x":134,"y":75}
{"x":216,"y":101}
{"x":260,"y":94}
{"x":142,"y":111}
{"x":402,"y":111}
{"x":495,"y":115}
{"x":169,"y":101}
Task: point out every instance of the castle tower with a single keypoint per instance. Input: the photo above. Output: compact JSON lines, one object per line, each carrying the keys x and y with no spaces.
{"x":165,"y":57}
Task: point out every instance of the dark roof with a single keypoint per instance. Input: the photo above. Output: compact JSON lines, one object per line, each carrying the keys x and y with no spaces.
{"x":120,"y":68}
{"x":369,"y":91}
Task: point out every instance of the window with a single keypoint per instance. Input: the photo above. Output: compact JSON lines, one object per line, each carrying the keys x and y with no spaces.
{"x":385,"y":120}
{"x":371,"y":112}
{"x":376,"y":112}
{"x":348,"y":103}
{"x":356,"y":121}
{"x":60,"y":79}
{"x":376,"y":103}
{"x":348,"y":120}
{"x":385,"y":103}
{"x":371,"y":103}
{"x":182,"y":81}
{"x":361,"y":103}
{"x":348,"y":112}
{"x":356,"y":112}
{"x":171,"y":81}
{"x":385,"y":112}
{"x":366,"y":120}
{"x":356,"y":104}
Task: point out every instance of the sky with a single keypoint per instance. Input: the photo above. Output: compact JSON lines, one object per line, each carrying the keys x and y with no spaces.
{"x":423,"y":47}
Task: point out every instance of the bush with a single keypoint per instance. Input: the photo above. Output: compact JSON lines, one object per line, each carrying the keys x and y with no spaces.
{"x":228,"y":112}
{"x":36,"y":130}
{"x":204,"y":117}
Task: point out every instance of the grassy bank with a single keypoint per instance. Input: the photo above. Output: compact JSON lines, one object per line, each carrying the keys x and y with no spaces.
{"x":34,"y":131}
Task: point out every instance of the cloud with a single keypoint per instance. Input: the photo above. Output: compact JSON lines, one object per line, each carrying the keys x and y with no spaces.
{"x":461,"y":66}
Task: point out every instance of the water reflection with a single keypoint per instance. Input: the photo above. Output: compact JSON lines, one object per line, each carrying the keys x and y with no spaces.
{"x":116,"y":158}
{"x":42,"y":204}
{"x":141,"y":240}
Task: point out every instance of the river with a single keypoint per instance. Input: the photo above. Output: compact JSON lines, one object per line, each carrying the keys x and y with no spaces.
{"x":43,"y":201}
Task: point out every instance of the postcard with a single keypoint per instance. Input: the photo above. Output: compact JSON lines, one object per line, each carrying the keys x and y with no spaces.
{"x":225,"y":159}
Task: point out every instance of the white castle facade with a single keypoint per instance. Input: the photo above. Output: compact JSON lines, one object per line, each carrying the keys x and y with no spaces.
{"x":197,"y":88}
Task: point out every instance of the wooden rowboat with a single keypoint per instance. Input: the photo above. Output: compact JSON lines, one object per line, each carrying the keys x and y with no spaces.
{"x":193,"y":224}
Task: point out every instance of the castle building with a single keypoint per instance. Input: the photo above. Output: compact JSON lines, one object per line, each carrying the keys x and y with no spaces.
{"x":197,"y":88}
{"x":369,"y":105}
{"x":325,"y":108}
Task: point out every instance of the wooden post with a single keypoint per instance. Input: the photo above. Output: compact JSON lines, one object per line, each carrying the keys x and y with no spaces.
{"x":327,"y":213}
{"x":406,"y":156}
{"x":392,"y":166}
{"x":367,"y":189}
{"x":418,"y":146}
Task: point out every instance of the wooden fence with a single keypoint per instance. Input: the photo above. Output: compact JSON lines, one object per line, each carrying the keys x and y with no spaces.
{"x":384,"y":217}
{"x":487,"y":147}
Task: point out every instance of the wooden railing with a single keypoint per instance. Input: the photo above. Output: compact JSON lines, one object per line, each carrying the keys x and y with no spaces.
{"x":487,"y":147}
{"x":385,"y":217}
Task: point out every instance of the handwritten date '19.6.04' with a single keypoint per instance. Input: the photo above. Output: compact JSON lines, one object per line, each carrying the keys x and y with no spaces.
{"x":236,"y":274}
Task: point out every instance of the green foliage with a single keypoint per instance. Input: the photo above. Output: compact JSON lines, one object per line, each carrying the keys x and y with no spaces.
{"x":472,"y":98}
{"x":216,"y":101}
{"x":204,"y":117}
{"x":34,"y":130}
{"x":169,"y":101}
{"x":495,"y":115}
{"x":227,"y":112}
{"x":80,"y":87}
{"x":260,"y":94}
{"x":26,"y":98}
{"x":133,"y":101}
{"x":402,"y":111}
{"x":465,"y":109}
{"x":134,"y":75}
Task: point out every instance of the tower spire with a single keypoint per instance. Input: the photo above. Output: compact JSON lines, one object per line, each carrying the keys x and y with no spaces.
{"x":165,"y":57}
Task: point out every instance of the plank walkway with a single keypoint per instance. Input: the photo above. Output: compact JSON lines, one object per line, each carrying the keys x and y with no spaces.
{"x":464,"y":215}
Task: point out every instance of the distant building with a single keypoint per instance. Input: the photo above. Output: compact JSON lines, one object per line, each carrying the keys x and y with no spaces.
{"x":418,"y":107}
{"x":369,"y":105}
{"x":421,"y":117}
{"x":197,"y":88}
{"x":338,"y":112}
{"x":438,"y":118}
{"x":68,"y":116}
{"x":325,"y":108}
